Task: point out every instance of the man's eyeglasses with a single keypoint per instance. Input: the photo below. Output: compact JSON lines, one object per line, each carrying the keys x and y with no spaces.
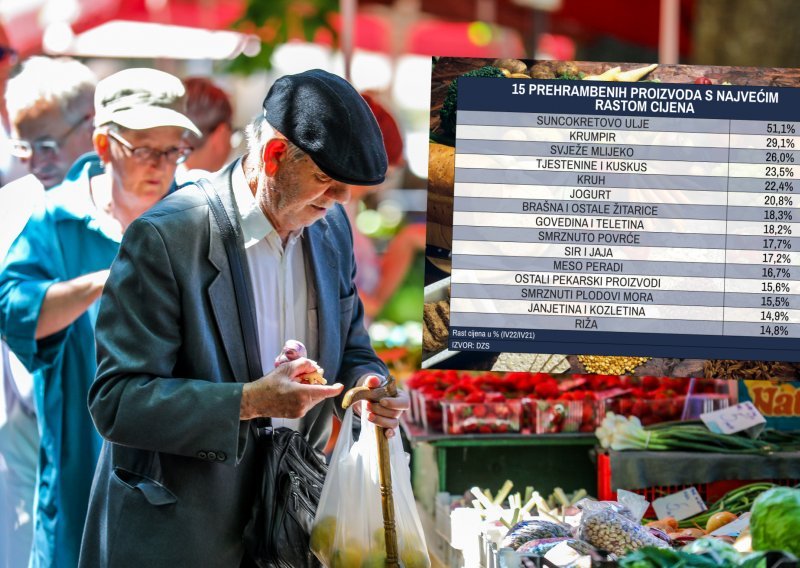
{"x":9,"y":53}
{"x":146,"y":154}
{"x":46,"y":147}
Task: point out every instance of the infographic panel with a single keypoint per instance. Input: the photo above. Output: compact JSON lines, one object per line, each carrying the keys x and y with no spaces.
{"x":655,"y":221}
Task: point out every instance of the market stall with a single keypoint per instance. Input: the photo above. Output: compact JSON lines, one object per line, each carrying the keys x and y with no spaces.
{"x":492,"y":449}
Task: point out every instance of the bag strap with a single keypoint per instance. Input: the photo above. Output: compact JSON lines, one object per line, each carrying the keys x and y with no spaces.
{"x":243,"y":302}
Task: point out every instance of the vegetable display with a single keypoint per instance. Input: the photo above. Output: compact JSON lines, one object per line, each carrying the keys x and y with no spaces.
{"x":549,"y":405}
{"x":734,"y":502}
{"x":621,"y":433}
{"x":611,"y":530}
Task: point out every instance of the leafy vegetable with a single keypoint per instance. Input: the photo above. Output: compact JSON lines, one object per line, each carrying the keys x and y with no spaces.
{"x":766,"y":559}
{"x":621,"y":433}
{"x":717,"y":549}
{"x":448,"y":112}
{"x":668,"y":558}
{"x":775,"y":520}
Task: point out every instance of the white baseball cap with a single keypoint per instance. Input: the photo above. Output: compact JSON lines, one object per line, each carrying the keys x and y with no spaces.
{"x":142,"y":98}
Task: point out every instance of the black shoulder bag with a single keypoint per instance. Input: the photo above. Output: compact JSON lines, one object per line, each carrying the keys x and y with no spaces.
{"x":293,"y":472}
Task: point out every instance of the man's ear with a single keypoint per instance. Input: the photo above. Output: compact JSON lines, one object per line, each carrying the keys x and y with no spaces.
{"x":101,"y":146}
{"x":274,"y":152}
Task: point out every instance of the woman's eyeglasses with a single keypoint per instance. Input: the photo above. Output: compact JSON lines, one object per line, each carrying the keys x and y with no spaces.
{"x":146,"y":154}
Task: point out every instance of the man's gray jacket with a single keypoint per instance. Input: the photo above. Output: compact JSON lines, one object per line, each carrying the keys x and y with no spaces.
{"x":175,"y":482}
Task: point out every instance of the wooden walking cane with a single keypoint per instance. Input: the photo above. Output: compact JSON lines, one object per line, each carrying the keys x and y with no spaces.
{"x":387,"y":389}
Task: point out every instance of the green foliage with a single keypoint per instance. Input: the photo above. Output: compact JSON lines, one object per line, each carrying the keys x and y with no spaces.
{"x":448,"y":112}
{"x":278,"y":21}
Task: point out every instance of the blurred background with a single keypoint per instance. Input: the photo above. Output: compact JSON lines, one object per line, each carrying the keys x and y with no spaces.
{"x":385,"y":47}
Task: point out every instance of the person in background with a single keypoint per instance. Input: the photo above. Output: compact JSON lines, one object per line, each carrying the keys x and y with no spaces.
{"x":50,"y":106}
{"x":10,"y":167}
{"x":41,"y":99}
{"x":210,"y":109}
{"x":379,"y":276}
{"x":174,"y":397}
{"x":56,"y":270}
{"x":18,"y":436}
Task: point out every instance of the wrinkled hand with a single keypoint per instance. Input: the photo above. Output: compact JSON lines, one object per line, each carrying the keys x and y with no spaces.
{"x":279,"y":394}
{"x":387,"y":412}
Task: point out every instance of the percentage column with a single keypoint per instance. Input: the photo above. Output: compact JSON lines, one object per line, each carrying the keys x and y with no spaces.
{"x":763,"y":232}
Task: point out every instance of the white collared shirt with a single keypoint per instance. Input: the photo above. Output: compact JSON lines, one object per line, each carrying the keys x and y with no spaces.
{"x":279,"y":282}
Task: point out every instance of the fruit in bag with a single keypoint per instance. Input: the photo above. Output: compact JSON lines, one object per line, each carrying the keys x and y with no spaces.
{"x":323,"y":535}
{"x":414,"y":558}
{"x":348,"y":557}
{"x":375,"y":559}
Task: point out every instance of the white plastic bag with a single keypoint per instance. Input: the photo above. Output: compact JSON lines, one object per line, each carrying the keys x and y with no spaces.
{"x":348,"y":528}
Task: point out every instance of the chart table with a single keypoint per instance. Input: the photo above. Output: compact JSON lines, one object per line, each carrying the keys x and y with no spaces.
{"x":642,"y":219}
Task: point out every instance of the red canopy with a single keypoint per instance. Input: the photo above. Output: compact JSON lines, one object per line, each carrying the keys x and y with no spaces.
{"x":635,"y":22}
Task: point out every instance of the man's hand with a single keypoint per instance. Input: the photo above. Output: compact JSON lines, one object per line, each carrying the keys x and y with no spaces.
{"x":387,"y":412}
{"x":278,"y":394}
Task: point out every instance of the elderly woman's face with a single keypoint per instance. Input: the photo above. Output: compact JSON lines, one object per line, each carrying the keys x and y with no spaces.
{"x":144,"y":161}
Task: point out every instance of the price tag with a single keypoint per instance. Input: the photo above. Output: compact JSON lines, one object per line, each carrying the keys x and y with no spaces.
{"x":734,"y":528}
{"x":681,"y":505}
{"x":636,"y":503}
{"x":743,"y":417}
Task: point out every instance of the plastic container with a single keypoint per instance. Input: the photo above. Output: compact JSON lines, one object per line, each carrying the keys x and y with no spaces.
{"x":482,"y":417}
{"x":430,"y":410}
{"x":414,"y":413}
{"x":557,"y":416}
{"x":700,"y":398}
{"x":697,"y":404}
{"x":649,"y":411}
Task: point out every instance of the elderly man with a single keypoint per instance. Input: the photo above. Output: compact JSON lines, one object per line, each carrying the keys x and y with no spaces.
{"x":55,"y":271}
{"x":173,"y":396}
{"x":43,"y":100}
{"x":50,"y":108}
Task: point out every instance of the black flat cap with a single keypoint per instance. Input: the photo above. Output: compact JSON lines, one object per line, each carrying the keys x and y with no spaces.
{"x":325,"y":117}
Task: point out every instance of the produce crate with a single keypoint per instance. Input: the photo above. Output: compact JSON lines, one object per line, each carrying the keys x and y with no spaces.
{"x":430,"y":410}
{"x":482,"y":417}
{"x":649,"y":411}
{"x":709,"y":492}
{"x":414,"y":413}
{"x":655,"y":410}
{"x":557,"y":416}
